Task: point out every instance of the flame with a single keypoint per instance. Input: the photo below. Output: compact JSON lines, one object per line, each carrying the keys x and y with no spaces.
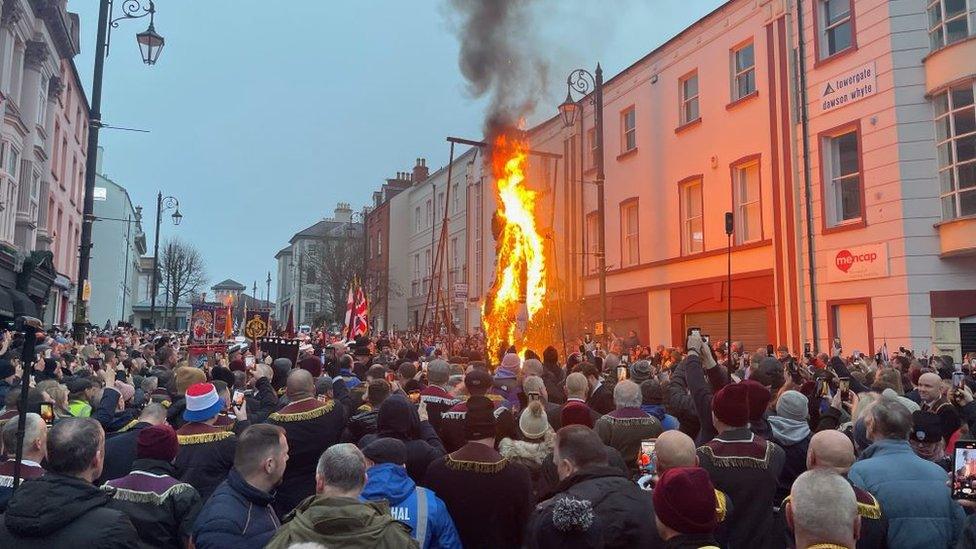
{"x":520,"y":272}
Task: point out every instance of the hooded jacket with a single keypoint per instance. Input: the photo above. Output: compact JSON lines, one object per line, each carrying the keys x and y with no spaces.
{"x":506,"y":385}
{"x":390,"y":482}
{"x":61,"y":511}
{"x":668,"y":422}
{"x":912,"y":492}
{"x":343,"y":522}
{"x":533,"y":455}
{"x":237,"y":515}
{"x":793,"y":436}
{"x":398,"y":419}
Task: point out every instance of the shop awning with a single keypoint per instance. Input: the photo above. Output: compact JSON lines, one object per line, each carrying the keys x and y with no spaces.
{"x":23,"y":305}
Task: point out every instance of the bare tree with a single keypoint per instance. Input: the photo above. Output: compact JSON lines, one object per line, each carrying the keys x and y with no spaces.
{"x":330,"y":265}
{"x":182,"y":271}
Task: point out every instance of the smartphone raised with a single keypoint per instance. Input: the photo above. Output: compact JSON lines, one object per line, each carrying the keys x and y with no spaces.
{"x":964,"y":470}
{"x":238,"y":398}
{"x":621,"y":373}
{"x":647,"y":458}
{"x":249,"y":361}
{"x":844,"y":385}
{"x":769,"y":349}
{"x":47,"y":413}
{"x":958,"y":379}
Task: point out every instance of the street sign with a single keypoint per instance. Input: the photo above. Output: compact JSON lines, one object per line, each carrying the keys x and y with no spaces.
{"x":848,"y":87}
{"x":86,"y":291}
{"x":598,"y":328}
{"x":460,"y":293}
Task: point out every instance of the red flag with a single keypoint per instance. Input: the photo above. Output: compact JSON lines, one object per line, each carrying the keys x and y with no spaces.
{"x":290,"y":326}
{"x":349,"y":327}
{"x":361,"y":323}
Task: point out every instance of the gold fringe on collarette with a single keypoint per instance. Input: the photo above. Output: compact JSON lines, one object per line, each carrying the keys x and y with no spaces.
{"x":738,"y":461}
{"x":7,"y":481}
{"x":227,"y":427}
{"x":475,"y":466}
{"x":721,"y":505}
{"x":203,"y":438}
{"x":136,"y":496}
{"x":865,"y":510}
{"x":128,"y":426}
{"x":303,"y":416}
{"x":828,"y":546}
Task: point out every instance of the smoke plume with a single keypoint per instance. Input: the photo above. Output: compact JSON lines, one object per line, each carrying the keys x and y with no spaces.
{"x":500,"y":59}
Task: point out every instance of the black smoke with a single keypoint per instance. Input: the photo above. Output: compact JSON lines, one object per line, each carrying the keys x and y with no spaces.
{"x":500,"y":58}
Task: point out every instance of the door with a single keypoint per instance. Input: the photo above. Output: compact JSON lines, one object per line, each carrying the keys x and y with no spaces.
{"x":852,"y":326}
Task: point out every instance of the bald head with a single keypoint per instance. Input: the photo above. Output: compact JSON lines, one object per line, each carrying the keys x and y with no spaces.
{"x":832,"y":450}
{"x":675,"y":449}
{"x":929,"y":387}
{"x":300,"y":384}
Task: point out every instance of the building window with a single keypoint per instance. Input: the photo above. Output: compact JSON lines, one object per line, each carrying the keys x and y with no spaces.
{"x":42,"y":103}
{"x":416,"y":217}
{"x":628,"y":125}
{"x":692,"y":220}
{"x":746,"y":191}
{"x":835,"y":27}
{"x":950,"y":21}
{"x":841,"y":159}
{"x":454,"y":253}
{"x":629,"y":233}
{"x":689,"y":98}
{"x":593,"y":242}
{"x":743,"y":71}
{"x":441,"y":205}
{"x":430,"y":215}
{"x":379,"y":243}
{"x":455,"y":206}
{"x":311,"y":307}
{"x":13,"y":160}
{"x":427,"y":264}
{"x":310,"y":276}
{"x":591,"y":140}
{"x":955,"y":128}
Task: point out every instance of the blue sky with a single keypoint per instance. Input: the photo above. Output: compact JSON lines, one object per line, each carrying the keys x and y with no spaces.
{"x":264,"y":114}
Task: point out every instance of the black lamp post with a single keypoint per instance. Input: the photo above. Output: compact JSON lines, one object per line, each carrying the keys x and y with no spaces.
{"x":582,"y":82}
{"x":729,"y":229}
{"x":162,"y":205}
{"x":150,"y":43}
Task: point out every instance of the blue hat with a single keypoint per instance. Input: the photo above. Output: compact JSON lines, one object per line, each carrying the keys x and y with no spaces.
{"x":202,"y":402}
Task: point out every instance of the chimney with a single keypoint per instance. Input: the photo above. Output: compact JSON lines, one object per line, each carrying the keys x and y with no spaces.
{"x":420,"y":172}
{"x":343,"y":213}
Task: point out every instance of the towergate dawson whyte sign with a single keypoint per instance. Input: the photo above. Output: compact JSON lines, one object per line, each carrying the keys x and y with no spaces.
{"x":847,"y":88}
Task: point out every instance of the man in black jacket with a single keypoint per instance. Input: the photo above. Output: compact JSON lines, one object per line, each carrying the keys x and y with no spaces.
{"x":624,"y":511}
{"x":63,"y":508}
{"x":120,"y":449}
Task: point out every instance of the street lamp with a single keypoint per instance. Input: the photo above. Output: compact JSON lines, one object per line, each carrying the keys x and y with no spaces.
{"x":150,"y":44}
{"x":162,"y":205}
{"x":583,"y":82}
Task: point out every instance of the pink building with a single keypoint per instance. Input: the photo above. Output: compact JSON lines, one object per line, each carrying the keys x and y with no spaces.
{"x":855,"y":215}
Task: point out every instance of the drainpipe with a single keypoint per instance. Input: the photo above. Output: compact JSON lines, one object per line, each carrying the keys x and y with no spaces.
{"x":807,"y":183}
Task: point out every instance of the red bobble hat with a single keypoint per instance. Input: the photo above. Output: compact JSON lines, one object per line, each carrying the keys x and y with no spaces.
{"x":157,"y":442}
{"x":738,"y":403}
{"x":684,"y":500}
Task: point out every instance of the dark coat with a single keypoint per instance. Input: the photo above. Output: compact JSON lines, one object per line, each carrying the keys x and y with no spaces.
{"x":237,"y":516}
{"x":161,"y":508}
{"x":310,"y":426}
{"x":263,"y":402}
{"x":206,"y":456}
{"x":61,"y":511}
{"x":399,"y":419}
{"x":120,"y":452}
{"x":106,"y":414}
{"x":601,"y":401}
{"x":624,"y":512}
{"x":362,"y":423}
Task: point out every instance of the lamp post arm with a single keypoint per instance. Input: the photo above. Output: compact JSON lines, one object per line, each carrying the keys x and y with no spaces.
{"x":131,"y":9}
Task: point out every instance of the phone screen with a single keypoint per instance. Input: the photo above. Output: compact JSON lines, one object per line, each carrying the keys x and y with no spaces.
{"x":957,"y":379}
{"x":621,"y":373}
{"x":238,"y":398}
{"x":769,"y":349}
{"x":964,"y":470}
{"x":47,"y":412}
{"x":647,"y":458}
{"x":390,"y":376}
{"x":844,"y":384}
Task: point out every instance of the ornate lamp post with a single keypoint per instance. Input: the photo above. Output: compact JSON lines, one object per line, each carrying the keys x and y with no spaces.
{"x":150,"y":44}
{"x":162,"y":205}
{"x":583,"y":82}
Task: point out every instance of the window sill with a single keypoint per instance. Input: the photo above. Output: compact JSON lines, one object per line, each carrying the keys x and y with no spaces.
{"x":627,"y":154}
{"x":846,"y":226}
{"x":688,"y":125}
{"x":839,"y":55}
{"x":744,"y":99}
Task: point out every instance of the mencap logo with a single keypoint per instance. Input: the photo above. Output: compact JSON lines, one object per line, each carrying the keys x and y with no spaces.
{"x":845,"y":259}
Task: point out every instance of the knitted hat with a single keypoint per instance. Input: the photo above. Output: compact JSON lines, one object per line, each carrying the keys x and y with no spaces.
{"x":793,"y":405}
{"x":769,"y":373}
{"x":684,"y":500}
{"x":575,"y":412}
{"x":312,"y":364}
{"x":6,"y":368}
{"x":202,"y":402}
{"x":569,"y":523}
{"x":534,"y":423}
{"x":737,"y":403}
{"x":478,"y":381}
{"x":510,"y":365}
{"x":904,"y":401}
{"x":186,"y":376}
{"x":238,"y":365}
{"x":479,"y":421}
{"x":157,"y":442}
{"x":640,"y":371}
{"x":386,"y":450}
{"x":127,"y":391}
{"x":926,"y":427}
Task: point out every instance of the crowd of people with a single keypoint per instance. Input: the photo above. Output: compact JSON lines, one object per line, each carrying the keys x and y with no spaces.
{"x":397,"y":442}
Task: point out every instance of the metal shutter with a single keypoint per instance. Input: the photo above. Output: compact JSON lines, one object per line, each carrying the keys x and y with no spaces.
{"x":748,"y":326}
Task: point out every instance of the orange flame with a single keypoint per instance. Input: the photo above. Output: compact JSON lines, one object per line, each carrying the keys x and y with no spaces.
{"x":520,"y":272}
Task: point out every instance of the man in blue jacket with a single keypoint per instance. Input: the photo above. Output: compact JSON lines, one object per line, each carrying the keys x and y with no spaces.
{"x":418,"y":508}
{"x":912,"y":491}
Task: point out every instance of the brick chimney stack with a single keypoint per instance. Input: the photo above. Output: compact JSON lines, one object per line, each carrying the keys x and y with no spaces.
{"x":420,"y":171}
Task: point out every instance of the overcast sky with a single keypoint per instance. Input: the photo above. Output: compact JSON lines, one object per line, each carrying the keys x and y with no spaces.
{"x":265,"y":114}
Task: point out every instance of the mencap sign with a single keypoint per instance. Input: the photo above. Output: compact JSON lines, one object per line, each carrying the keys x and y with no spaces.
{"x":858,"y":262}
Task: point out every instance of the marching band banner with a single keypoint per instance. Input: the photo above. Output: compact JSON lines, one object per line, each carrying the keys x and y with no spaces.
{"x":202,"y":322}
{"x":257,"y":324}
